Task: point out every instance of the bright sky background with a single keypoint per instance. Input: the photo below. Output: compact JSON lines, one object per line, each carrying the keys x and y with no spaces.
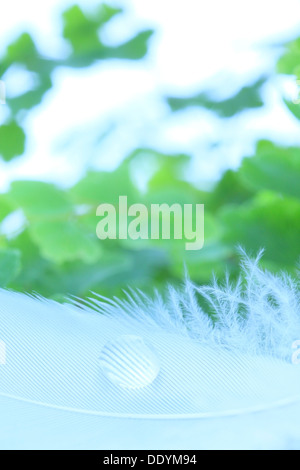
{"x":219,"y":42}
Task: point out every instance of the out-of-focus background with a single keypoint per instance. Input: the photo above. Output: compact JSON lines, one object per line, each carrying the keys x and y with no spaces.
{"x":172,"y":102}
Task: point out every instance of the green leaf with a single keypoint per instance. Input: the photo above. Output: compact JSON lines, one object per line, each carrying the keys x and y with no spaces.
{"x":229,"y":190}
{"x":294,"y":108}
{"x":105,"y":13}
{"x":248,"y":97}
{"x":12,"y":141}
{"x":290,"y":60}
{"x":214,"y":258}
{"x":63,"y":241}
{"x":21,"y":51}
{"x":32,"y":97}
{"x":10,"y":265}
{"x":170,"y":171}
{"x":5,"y":207}
{"x":24,"y":52}
{"x":39,"y":200}
{"x":270,"y":222}
{"x":105,"y":187}
{"x":134,"y":49}
{"x":81,"y":31}
{"x":34,"y":275}
{"x":273,"y":168}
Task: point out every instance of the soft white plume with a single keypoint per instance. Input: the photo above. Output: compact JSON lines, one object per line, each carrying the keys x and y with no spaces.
{"x":258,"y":314}
{"x":218,"y":355}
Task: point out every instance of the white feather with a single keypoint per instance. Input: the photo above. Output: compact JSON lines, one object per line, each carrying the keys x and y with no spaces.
{"x":224,"y":350}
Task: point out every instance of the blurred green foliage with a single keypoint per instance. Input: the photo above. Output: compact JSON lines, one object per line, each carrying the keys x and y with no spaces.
{"x":54,"y":249}
{"x":247,"y":98}
{"x":83,"y":34}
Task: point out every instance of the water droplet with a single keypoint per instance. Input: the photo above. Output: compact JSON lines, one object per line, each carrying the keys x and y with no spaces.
{"x":129,"y":362}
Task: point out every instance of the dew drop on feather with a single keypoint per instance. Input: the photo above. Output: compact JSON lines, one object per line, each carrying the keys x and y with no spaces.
{"x":129,"y":362}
